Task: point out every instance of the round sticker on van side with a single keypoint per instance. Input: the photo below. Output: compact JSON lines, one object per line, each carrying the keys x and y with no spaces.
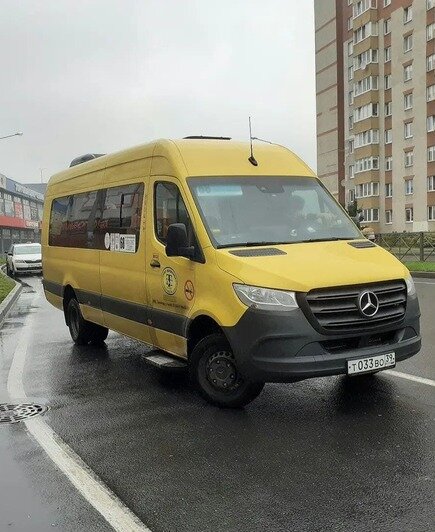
{"x":107,"y":240}
{"x":169,"y":281}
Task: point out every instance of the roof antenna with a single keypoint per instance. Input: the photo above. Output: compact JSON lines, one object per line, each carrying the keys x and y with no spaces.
{"x":251,"y":158}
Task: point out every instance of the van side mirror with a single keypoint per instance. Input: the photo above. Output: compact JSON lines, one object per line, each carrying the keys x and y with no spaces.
{"x":176,"y":242}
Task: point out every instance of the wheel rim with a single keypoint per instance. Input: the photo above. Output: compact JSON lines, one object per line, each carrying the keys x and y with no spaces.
{"x":74,"y":321}
{"x":221,"y":372}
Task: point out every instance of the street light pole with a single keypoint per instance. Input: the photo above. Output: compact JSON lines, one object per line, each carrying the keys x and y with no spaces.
{"x":19,"y":134}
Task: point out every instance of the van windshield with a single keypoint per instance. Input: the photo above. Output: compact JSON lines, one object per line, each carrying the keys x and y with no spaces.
{"x":249,"y":211}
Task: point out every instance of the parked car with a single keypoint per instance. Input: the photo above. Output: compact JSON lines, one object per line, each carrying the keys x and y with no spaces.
{"x":24,"y":258}
{"x":368,"y":232}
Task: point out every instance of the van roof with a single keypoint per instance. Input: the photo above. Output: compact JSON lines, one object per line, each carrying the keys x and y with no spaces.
{"x":201,"y":157}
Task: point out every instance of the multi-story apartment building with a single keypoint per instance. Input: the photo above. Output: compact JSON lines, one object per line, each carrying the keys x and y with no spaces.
{"x":375,"y":87}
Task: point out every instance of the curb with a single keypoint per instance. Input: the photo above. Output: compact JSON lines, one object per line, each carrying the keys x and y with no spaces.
{"x":9,"y":301}
{"x":423,"y":275}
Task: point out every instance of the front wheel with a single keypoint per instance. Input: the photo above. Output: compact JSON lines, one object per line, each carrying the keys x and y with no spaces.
{"x":82,"y":331}
{"x":213,"y":370}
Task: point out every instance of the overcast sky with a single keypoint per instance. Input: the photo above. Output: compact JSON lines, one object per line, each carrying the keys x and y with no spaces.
{"x":79,"y":76}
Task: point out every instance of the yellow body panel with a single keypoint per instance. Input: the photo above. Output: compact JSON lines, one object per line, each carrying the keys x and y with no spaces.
{"x":202,"y":288}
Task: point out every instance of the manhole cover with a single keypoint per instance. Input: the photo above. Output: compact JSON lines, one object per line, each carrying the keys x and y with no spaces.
{"x":15,"y":413}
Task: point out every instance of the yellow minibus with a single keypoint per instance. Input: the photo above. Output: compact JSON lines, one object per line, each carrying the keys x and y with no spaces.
{"x":242,"y":268}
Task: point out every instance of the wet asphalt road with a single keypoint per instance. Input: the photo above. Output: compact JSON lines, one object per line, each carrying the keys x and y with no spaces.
{"x":326,"y":454}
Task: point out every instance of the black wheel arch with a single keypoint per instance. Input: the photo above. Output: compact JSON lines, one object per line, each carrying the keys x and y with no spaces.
{"x":199,"y":328}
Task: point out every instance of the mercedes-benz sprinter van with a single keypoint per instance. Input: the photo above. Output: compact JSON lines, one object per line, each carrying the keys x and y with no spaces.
{"x":245,"y":269}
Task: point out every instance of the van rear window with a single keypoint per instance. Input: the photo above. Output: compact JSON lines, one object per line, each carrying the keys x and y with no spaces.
{"x":96,"y":219}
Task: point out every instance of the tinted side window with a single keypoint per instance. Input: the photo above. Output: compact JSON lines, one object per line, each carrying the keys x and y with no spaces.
{"x":59,"y":209}
{"x":72,"y":220}
{"x":121,"y":214}
{"x":169,"y":208}
{"x":82,"y":220}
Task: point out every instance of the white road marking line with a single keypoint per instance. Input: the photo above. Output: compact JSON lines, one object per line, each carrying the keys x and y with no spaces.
{"x":423,"y":282}
{"x":112,"y":509}
{"x":410,"y":377}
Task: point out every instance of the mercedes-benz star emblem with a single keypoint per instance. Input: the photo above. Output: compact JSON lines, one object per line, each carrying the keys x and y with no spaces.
{"x":368,"y":304}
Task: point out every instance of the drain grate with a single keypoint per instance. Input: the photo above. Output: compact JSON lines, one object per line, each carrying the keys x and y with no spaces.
{"x":15,"y":413}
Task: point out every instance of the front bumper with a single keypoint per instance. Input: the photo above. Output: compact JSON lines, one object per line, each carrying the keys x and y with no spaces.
{"x":284,"y":347}
{"x":28,"y":268}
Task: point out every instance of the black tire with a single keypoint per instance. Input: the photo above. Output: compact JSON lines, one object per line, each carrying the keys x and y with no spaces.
{"x":229,"y":389}
{"x":82,"y":331}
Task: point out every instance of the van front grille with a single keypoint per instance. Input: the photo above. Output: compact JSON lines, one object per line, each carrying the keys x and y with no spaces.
{"x":336,"y":309}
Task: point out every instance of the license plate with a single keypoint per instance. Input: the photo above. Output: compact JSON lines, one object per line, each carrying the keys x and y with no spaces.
{"x":369,"y":364}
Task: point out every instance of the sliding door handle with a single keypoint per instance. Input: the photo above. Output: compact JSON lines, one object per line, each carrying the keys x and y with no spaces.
{"x":155,"y":263}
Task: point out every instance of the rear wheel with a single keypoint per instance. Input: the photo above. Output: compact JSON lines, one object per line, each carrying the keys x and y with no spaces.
{"x":213,"y":370}
{"x":82,"y":331}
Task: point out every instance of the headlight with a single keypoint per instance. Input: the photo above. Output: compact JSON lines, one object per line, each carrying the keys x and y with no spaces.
{"x":19,"y":261}
{"x":410,"y":286}
{"x":265,"y":298}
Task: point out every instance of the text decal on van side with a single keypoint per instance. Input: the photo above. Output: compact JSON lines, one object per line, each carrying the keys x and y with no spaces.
{"x":118,"y":242}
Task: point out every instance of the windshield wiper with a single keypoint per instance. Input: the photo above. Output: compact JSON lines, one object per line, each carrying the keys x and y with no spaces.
{"x":329,"y":239}
{"x":252,"y":244}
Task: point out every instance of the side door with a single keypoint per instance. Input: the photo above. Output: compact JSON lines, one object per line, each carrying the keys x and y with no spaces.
{"x":170,"y":280}
{"x":121,"y":234}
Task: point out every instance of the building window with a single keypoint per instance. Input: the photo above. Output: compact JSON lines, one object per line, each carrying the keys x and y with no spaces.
{"x":409,"y":158}
{"x":430,"y":93}
{"x":407,"y":14}
{"x":351,"y":171}
{"x":371,"y":215}
{"x":350,"y":97}
{"x":387,"y":26}
{"x":367,"y":30}
{"x":364,"y":85}
{"x":371,"y":136}
{"x":387,"y":54}
{"x":431,"y":183}
{"x":350,"y":144}
{"x":350,"y":48}
{"x":408,"y":101}
{"x":366,"y":111}
{"x":349,"y":23}
{"x":387,"y":81}
{"x":409,"y":187}
{"x":351,"y":122}
{"x":388,"y":163}
{"x":389,"y":190}
{"x":430,"y":62}
{"x":430,"y":31}
{"x":388,"y":136}
{"x":351,"y":196}
{"x":408,"y":130}
{"x":407,"y":72}
{"x":431,"y":213}
{"x":407,"y":43}
{"x":409,"y":215}
{"x":388,"y":109}
{"x":361,"y":6}
{"x":389,"y":217}
{"x":431,"y":154}
{"x":350,"y":73}
{"x":366,"y":164}
{"x":367,"y":190}
{"x":363,"y":59}
{"x":430,"y":123}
